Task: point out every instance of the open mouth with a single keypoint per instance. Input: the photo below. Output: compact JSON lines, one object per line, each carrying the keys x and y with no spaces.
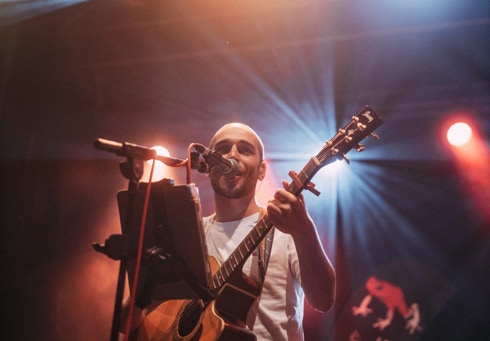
{"x":236,"y":176}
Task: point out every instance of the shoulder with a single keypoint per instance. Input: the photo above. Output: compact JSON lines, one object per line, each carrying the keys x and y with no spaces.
{"x":283,"y":238}
{"x":207,"y":222}
{"x":283,"y":246}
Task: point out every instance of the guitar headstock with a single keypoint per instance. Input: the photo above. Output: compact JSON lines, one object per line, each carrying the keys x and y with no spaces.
{"x":349,"y":137}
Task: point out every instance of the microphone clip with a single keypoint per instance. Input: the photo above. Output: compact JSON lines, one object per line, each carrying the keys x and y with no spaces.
{"x":227,"y":167}
{"x":199,"y":164}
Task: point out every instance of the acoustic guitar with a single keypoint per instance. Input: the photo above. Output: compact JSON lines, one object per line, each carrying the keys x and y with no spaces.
{"x":225,"y":318}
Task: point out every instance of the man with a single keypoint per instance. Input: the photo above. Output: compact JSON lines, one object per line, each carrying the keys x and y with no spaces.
{"x":298,"y":265}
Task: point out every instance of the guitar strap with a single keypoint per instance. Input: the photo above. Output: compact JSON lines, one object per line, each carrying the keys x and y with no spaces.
{"x":264,"y":253}
{"x":264,"y":250}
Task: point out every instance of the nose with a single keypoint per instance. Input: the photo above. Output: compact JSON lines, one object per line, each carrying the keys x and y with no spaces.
{"x":233,"y":152}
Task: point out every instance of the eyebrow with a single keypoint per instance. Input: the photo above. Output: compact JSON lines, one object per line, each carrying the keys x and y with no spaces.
{"x":230,"y":141}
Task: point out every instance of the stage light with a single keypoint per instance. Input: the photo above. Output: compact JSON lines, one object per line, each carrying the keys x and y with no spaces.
{"x":471,"y":156}
{"x":459,"y":134}
{"x":336,"y":167}
{"x":161,"y":170}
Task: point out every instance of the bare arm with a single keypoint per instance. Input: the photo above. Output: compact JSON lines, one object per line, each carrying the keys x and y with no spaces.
{"x":288,"y":214}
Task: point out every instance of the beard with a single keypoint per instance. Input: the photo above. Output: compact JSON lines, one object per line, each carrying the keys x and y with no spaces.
{"x":233,"y":189}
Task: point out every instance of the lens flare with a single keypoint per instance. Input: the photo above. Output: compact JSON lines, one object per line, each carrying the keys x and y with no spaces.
{"x":161,"y":170}
{"x":459,"y":134}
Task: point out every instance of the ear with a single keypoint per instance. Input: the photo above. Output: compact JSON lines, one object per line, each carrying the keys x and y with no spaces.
{"x":262,"y":169}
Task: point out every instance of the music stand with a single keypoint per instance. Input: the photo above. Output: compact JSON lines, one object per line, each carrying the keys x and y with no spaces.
{"x":175,"y":263}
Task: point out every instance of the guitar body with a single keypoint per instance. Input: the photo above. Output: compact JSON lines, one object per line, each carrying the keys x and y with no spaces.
{"x":195,"y":320}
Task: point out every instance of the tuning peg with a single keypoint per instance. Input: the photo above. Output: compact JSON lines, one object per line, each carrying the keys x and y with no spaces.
{"x":360,"y":147}
{"x":374,"y":135}
{"x":361,"y":126}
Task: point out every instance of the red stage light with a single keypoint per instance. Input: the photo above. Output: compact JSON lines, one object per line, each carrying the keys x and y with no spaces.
{"x":459,"y":134}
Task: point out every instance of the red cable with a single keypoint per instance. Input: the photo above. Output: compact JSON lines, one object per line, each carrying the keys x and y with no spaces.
{"x":189,"y":163}
{"x":139,"y":255}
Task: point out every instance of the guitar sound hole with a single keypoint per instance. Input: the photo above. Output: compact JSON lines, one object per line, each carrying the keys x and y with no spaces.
{"x":189,"y":319}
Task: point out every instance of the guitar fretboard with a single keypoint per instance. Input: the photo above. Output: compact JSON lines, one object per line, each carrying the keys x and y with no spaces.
{"x":241,"y":253}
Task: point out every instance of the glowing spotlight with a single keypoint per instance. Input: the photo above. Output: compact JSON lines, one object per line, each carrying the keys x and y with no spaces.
{"x":160,"y":171}
{"x":162,"y":151}
{"x":336,"y":167}
{"x":472,"y":158}
{"x":459,"y":134}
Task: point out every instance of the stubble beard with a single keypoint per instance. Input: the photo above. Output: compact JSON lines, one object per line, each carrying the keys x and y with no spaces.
{"x":227,"y":190}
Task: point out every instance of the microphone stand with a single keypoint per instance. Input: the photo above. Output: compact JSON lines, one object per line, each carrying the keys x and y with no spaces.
{"x":117,"y":247}
{"x":132,"y":169}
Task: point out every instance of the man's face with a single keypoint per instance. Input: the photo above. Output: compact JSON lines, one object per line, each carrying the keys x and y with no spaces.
{"x":236,"y":141}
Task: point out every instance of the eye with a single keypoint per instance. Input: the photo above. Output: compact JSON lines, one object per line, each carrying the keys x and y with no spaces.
{"x":222,"y":149}
{"x":245,"y":150}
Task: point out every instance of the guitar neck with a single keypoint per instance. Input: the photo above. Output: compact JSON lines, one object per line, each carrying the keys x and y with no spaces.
{"x":242,"y":252}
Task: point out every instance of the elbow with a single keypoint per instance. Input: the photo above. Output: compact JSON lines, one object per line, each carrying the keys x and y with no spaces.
{"x":325,"y":304}
{"x":322,"y":302}
{"x":325,"y":298}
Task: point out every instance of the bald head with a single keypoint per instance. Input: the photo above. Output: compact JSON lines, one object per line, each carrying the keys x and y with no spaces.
{"x":239,"y":131}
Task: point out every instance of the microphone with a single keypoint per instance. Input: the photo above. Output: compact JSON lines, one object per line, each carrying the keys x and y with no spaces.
{"x":227,"y":167}
{"x":125,"y":149}
{"x":133,"y":150}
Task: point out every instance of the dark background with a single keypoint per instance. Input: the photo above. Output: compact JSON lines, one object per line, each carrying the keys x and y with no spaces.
{"x":169,"y":73}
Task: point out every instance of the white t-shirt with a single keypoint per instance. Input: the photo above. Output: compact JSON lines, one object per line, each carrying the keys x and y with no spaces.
{"x":280,"y":311}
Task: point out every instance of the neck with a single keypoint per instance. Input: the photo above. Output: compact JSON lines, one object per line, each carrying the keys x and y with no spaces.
{"x":234,"y":209}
